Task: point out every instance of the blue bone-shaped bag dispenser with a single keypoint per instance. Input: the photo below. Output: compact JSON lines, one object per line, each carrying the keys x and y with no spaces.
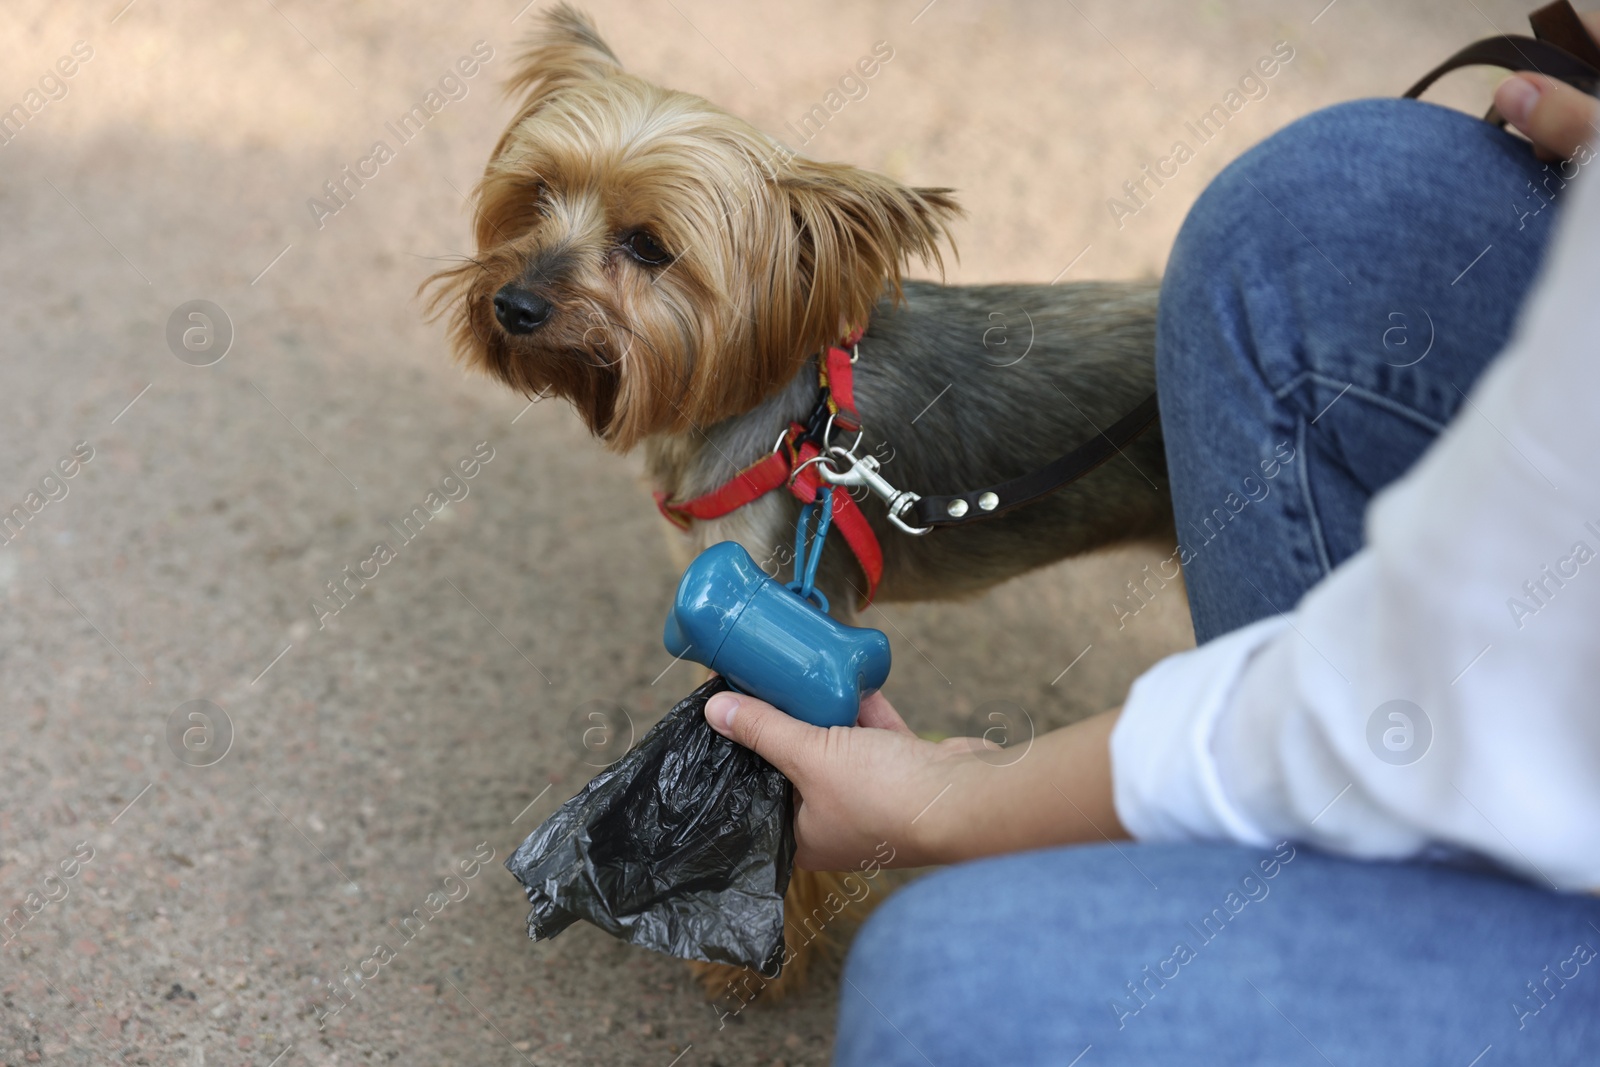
{"x":771,"y":643}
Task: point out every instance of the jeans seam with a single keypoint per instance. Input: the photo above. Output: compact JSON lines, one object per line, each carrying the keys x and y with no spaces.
{"x":1314,"y":521}
{"x":1394,"y":407}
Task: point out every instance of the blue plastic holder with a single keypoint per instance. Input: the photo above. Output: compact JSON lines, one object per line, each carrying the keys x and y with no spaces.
{"x":771,"y":643}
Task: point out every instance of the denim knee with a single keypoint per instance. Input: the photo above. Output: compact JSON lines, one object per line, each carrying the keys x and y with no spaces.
{"x":1353,"y":174}
{"x":1353,"y":197}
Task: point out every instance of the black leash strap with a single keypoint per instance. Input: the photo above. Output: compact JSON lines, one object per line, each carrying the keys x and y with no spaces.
{"x":979,"y":504}
{"x":1560,"y":48}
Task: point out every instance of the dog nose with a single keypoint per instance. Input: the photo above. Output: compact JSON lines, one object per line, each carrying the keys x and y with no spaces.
{"x":519,"y":310}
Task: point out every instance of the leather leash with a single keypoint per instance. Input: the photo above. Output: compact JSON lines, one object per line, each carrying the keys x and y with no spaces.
{"x":978,"y":504}
{"x":1560,"y":48}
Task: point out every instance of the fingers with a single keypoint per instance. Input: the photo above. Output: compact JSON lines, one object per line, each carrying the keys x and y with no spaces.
{"x":1553,"y":115}
{"x":782,"y":740}
{"x":878,"y":713}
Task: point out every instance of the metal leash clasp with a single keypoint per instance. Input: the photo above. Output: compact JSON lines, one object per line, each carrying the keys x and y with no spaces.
{"x":863,"y":471}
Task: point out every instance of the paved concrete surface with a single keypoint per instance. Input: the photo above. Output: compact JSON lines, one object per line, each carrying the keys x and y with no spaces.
{"x":438,"y":716}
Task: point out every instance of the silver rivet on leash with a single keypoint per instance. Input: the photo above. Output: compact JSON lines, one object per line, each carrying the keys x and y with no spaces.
{"x":957,"y":508}
{"x":988,"y":502}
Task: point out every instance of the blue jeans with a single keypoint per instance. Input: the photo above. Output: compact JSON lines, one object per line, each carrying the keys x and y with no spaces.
{"x":1329,"y":303}
{"x":1150,"y":955}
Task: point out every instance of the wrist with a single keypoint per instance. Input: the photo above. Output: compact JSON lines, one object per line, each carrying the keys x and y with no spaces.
{"x":1056,"y":791}
{"x":948,"y":828}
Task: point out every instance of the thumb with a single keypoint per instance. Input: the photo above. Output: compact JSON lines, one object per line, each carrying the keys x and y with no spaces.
{"x":782,"y":740}
{"x":1555,"y":116}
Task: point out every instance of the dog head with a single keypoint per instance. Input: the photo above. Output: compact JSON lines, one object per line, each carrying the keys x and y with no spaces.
{"x":656,"y":261}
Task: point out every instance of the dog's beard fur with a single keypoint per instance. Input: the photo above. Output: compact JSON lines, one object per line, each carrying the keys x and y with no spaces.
{"x":770,"y":256}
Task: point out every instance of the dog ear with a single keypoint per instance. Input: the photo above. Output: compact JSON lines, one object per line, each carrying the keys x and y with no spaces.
{"x":852,"y":233}
{"x":566,"y":51}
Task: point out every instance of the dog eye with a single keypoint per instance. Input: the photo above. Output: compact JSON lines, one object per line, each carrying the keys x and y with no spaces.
{"x":645,"y":248}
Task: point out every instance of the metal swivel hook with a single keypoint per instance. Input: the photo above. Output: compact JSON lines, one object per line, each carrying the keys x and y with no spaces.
{"x":863,"y":471}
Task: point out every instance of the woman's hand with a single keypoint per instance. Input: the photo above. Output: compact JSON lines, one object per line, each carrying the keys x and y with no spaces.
{"x":932,"y":802}
{"x":858,"y":786}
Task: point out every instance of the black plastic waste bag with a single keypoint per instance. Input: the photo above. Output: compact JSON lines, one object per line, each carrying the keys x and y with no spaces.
{"x":683,"y":845}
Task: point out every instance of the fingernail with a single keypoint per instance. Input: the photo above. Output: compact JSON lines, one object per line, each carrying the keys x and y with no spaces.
{"x":1517,"y":97}
{"x":720,"y":710}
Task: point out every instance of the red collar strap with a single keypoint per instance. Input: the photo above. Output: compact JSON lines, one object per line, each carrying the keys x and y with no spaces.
{"x":800,"y":443}
{"x":838,"y":382}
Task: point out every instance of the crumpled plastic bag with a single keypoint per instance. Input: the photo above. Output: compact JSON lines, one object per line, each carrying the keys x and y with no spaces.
{"x":684,"y":845}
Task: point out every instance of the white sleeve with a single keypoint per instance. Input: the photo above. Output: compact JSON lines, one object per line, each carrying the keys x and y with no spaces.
{"x":1476,"y":602}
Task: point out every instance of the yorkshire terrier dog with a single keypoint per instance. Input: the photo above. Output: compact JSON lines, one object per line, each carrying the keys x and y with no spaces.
{"x":674,"y":273}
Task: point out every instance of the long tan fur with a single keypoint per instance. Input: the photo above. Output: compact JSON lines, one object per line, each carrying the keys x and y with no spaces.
{"x":770,"y":254}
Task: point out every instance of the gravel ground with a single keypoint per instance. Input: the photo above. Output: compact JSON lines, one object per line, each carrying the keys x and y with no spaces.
{"x":182,"y":914}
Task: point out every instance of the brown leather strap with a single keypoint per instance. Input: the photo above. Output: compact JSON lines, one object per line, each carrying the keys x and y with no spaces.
{"x":1562,"y":49}
{"x":978,"y":504}
{"x":1515,"y":53}
{"x":1561,"y":26}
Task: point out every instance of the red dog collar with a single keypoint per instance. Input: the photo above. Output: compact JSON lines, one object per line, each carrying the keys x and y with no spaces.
{"x":776,"y":470}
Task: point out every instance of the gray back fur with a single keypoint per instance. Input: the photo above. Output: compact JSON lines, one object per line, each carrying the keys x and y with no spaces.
{"x":1022,"y":374}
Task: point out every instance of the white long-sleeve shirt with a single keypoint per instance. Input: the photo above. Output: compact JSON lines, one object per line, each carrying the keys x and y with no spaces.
{"x":1476,"y":600}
